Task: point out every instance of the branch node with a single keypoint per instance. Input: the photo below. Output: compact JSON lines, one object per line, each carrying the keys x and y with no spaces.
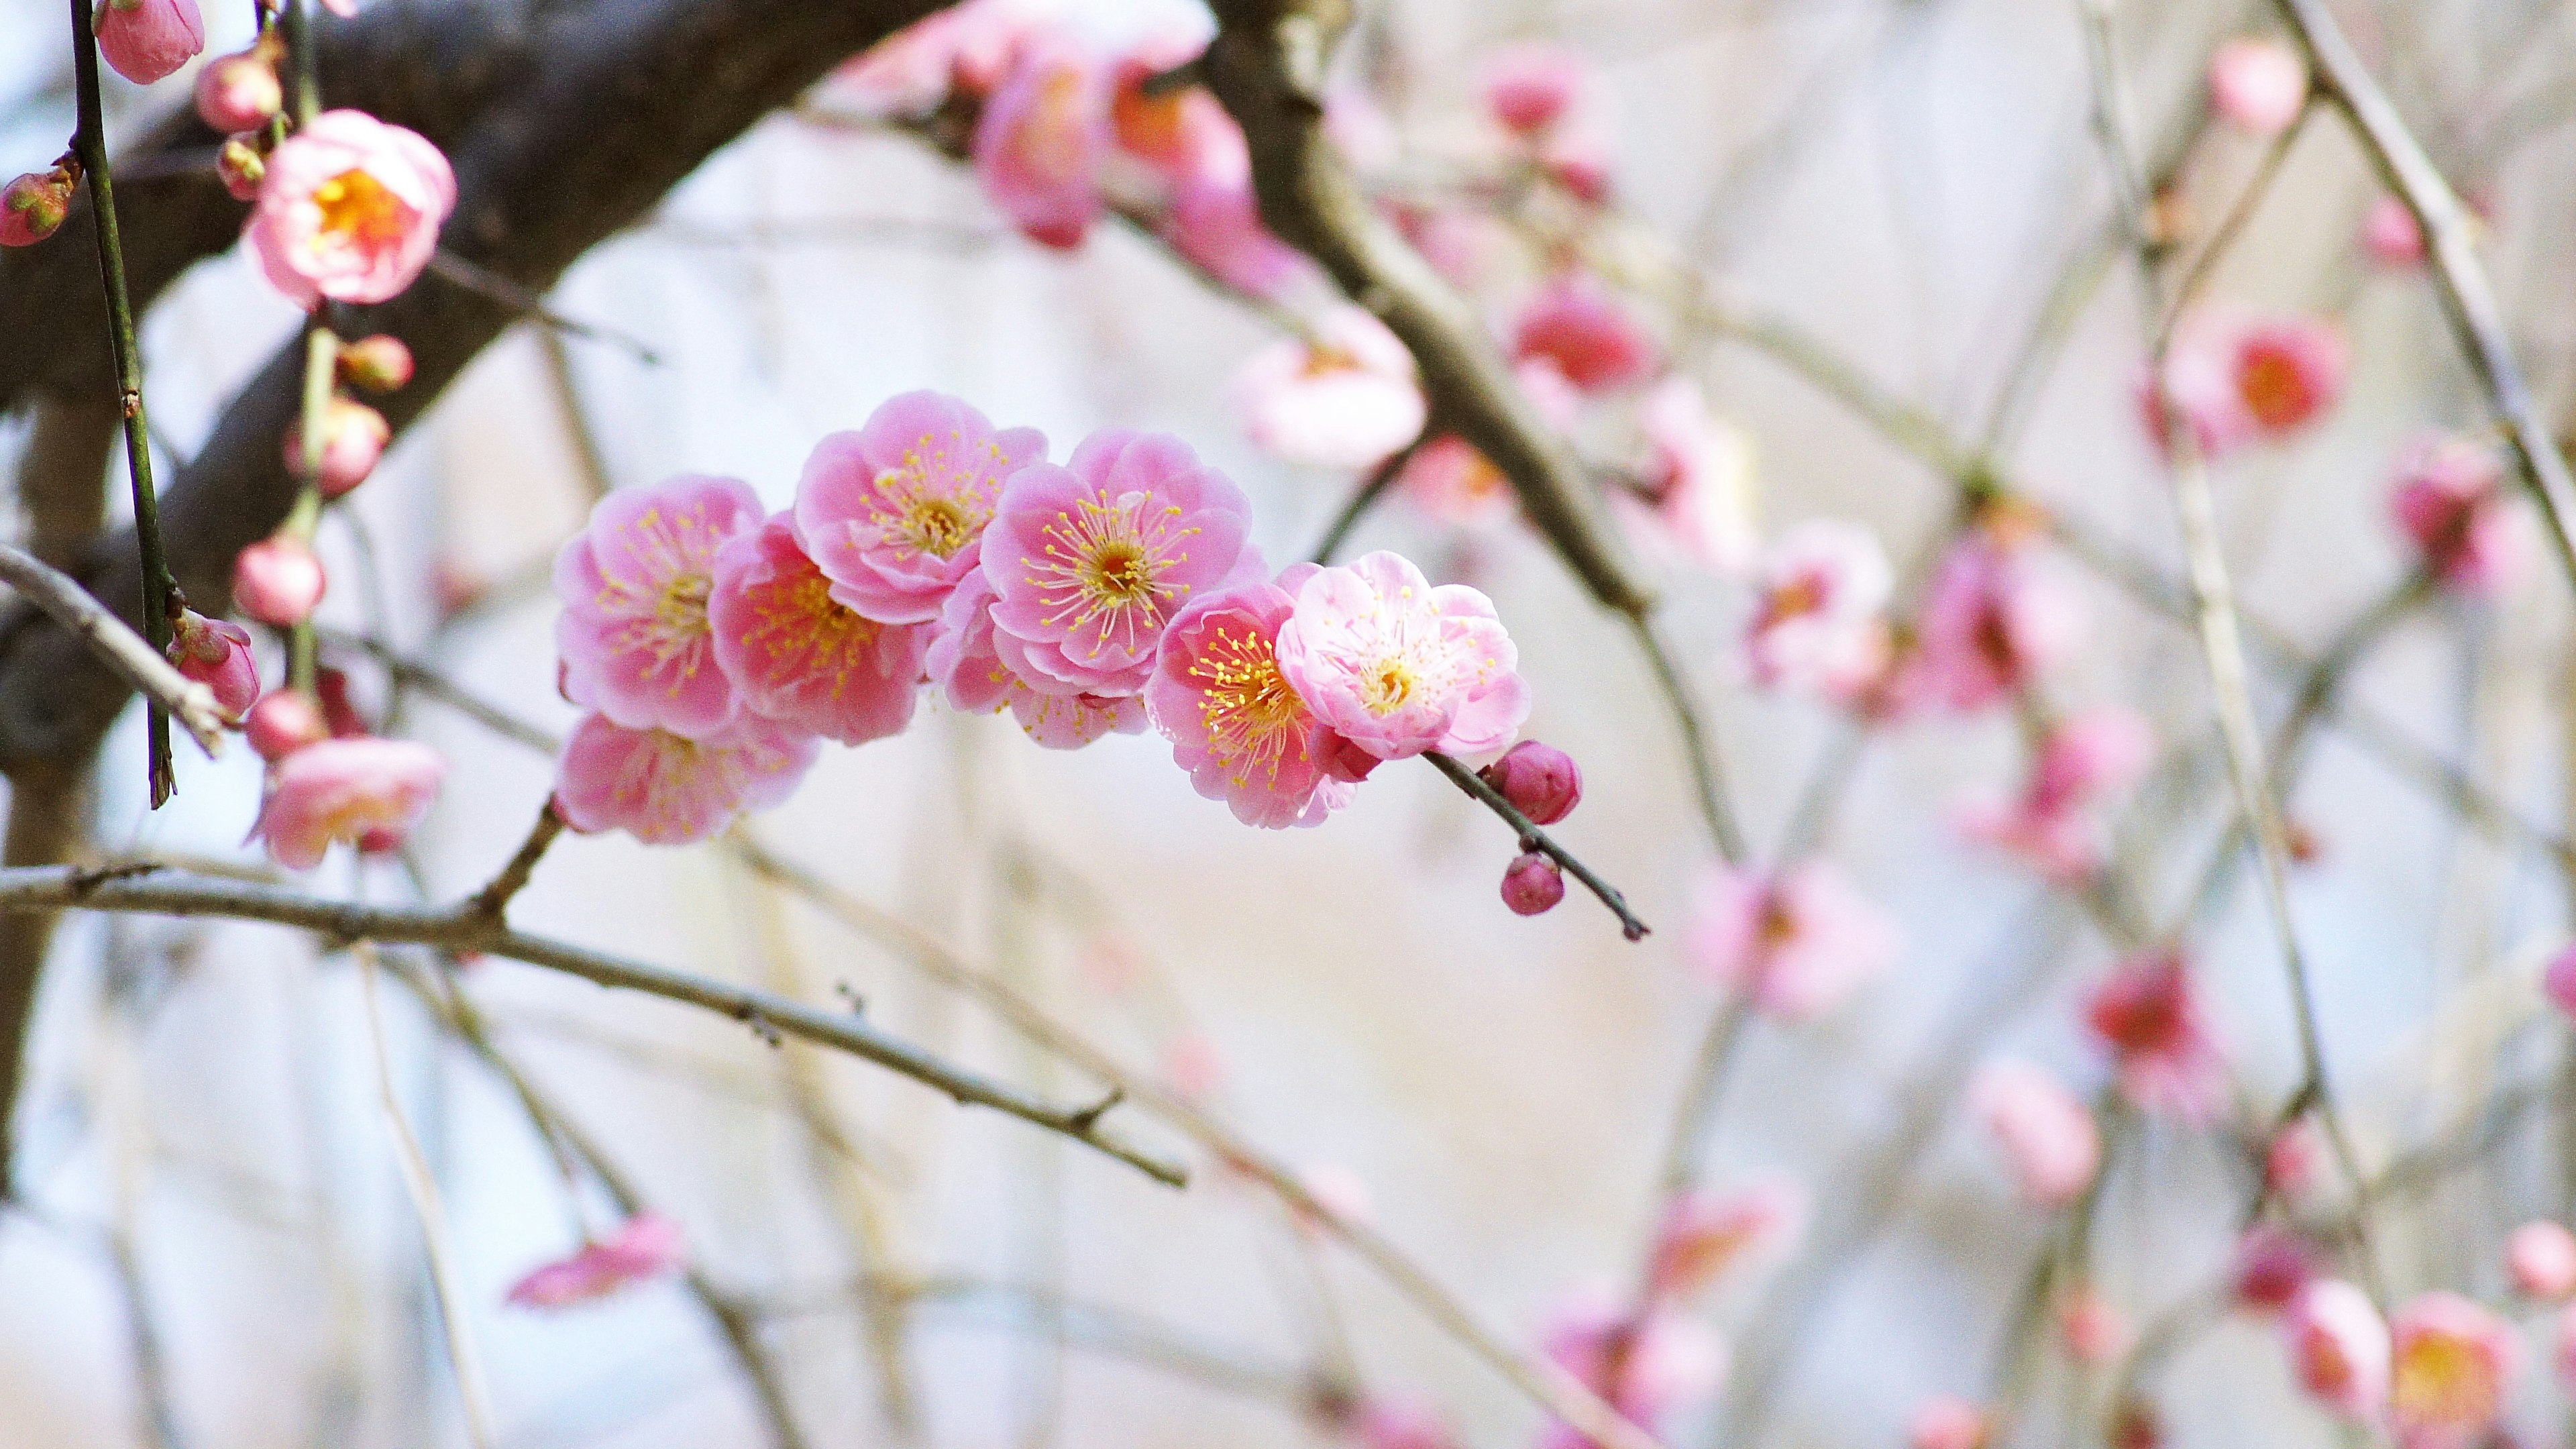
{"x":1089,"y":1117}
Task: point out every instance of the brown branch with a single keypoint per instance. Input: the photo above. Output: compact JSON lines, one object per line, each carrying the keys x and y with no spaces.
{"x":135,"y":662}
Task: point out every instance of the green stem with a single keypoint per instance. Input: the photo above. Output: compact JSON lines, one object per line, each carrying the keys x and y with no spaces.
{"x":321,"y":360}
{"x":305,"y":97}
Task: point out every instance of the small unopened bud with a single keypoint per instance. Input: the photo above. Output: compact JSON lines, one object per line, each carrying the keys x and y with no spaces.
{"x":353,"y":438}
{"x":283,"y":723}
{"x":238,"y":92}
{"x":33,"y":206}
{"x":241,"y":167}
{"x":278,"y":580}
{"x":1533,"y":885}
{"x":217,"y":655}
{"x":1541,"y":781}
{"x":380,"y":363}
{"x":144,"y":40}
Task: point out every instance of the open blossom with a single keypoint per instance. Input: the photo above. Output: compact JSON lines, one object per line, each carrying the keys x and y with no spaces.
{"x":145,"y":40}
{"x":965,"y":667}
{"x":2453,"y":1361}
{"x":1090,"y":561}
{"x":2150,"y":1014}
{"x":1398,"y":667}
{"x":2257,"y":84}
{"x":216,"y":654}
{"x":2339,"y":1348}
{"x":2233,"y":377}
{"x":636,"y":641}
{"x":349,"y":209}
{"x":1799,"y":942}
{"x":894,"y":513}
{"x":2048,"y":1136}
{"x":1706,"y":1233}
{"x":646,"y":1245}
{"x":2452,"y":504}
{"x":1042,"y":140}
{"x":1234,"y":721}
{"x":802,"y":657}
{"x":1991,"y":624}
{"x":1700,"y":474}
{"x":2087,"y":760}
{"x":1454,"y":483}
{"x":345,"y":790}
{"x":1816,"y":620}
{"x":2540,"y":1258}
{"x":1645,"y":1366}
{"x":1590,"y":335}
{"x":668,"y":789}
{"x":1342,"y":397}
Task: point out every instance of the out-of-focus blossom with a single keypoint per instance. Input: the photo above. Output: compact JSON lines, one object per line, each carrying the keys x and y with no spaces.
{"x":1991,"y":624}
{"x":1398,"y":667}
{"x":2272,"y":1264}
{"x":2149,"y":1013}
{"x":2390,"y":235}
{"x":966,"y":47}
{"x":802,"y":657}
{"x":669,"y":789}
{"x":1463,"y":244}
{"x":1946,"y":1421}
{"x":1590,"y":335}
{"x":238,"y":92}
{"x":2048,"y":1137}
{"x":965,"y":667}
{"x":1215,"y":224}
{"x":1448,"y":479}
{"x":1388,"y":1422}
{"x":1182,"y":134}
{"x":1342,"y":397}
{"x":2087,"y":760}
{"x":349,"y":210}
{"x":1234,"y":722}
{"x":1578,"y":158}
{"x":1645,"y":1366}
{"x":1042,"y":139}
{"x":1541,"y":781}
{"x":2092,"y":1331}
{"x":1363,"y":130}
{"x":2450,"y":501}
{"x":1532,"y":884}
{"x":895,"y":512}
{"x":1706,"y":1234}
{"x":2234,"y":378}
{"x":1798,"y":942}
{"x":2294,"y":1160}
{"x":278,"y":580}
{"x":647,"y":1245}
{"x":1195,"y":1065}
{"x":216,"y":654}
{"x":241,"y":167}
{"x":1817,"y":622}
{"x":344,"y":790}
{"x":2257,"y":84}
{"x":145,"y":40}
{"x":634,"y":635}
{"x":379,"y":362}
{"x":1700,"y":474}
{"x":282,"y":723}
{"x":2452,"y":1363}
{"x":32,"y":207}
{"x":2540,"y":1258}
{"x":353,"y":438}
{"x":2339,"y":1348}
{"x":1531,"y":86}
{"x":2558,"y":981}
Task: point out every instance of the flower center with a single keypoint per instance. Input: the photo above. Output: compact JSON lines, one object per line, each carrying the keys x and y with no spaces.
{"x":1389,"y":686}
{"x":1250,"y":712}
{"x":682,"y":608}
{"x":936,"y":526}
{"x":2443,"y":1380}
{"x":1104,"y":567}
{"x":1118,"y":573}
{"x":2274,"y":389}
{"x":360,"y":212}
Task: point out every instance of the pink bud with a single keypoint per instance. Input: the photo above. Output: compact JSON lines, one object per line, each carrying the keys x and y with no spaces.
{"x":1530,"y":87}
{"x":238,"y":92}
{"x":2272,"y":1265}
{"x":217,"y":655}
{"x":1946,"y":1421}
{"x":148,"y":39}
{"x":2339,"y":1348}
{"x":353,"y":438}
{"x":1533,"y":885}
{"x":1541,"y":781}
{"x":32,"y":207}
{"x":2540,"y":1257}
{"x":241,"y":167}
{"x":278,"y":581}
{"x":2257,"y":85}
{"x":2559,"y":981}
{"x":380,"y":363}
{"x":283,"y":723}
{"x":2092,"y":1330}
{"x":2295,"y":1159}
{"x":2390,"y":235}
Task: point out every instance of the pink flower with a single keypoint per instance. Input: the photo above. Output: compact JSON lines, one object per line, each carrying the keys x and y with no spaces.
{"x":1990,"y":625}
{"x":1183,"y":135}
{"x":647,"y":1245}
{"x":217,"y":655}
{"x":2257,"y":85}
{"x":2451,"y":502}
{"x":2390,"y":235}
{"x":1089,"y":562}
{"x":1531,"y":86}
{"x":1577,"y":324}
{"x":2558,"y":982}
{"x":353,"y":438}
{"x":2540,"y":1257}
{"x":2234,"y":378}
{"x":1342,"y":397}
{"x":636,"y":641}
{"x":965,"y":666}
{"x":2087,"y":760}
{"x":1216,"y":226}
{"x":1799,"y":942}
{"x":1541,"y":781}
{"x":1398,"y":667}
{"x":2149,"y":1013}
{"x":2272,"y":1265}
{"x":1383,"y":1422}
{"x":1041,"y":141}
{"x":967,"y":46}
{"x":1946,"y":1421}
{"x":894,"y":514}
{"x":2047,"y":1135}
{"x":238,"y":92}
{"x":32,"y":207}
{"x":1448,"y":479}
{"x":800,"y":656}
{"x":1646,"y":1367}
{"x":669,"y":789}
{"x":1235,"y":724}
{"x":2091,"y":1329}
{"x":1816,"y":623}
{"x":349,"y":209}
{"x":2295,"y":1159}
{"x":278,"y":580}
{"x":1705,"y":1235}
{"x":345,"y":789}
{"x":2453,"y":1361}
{"x":1701,"y":475}
{"x":145,"y":40}
{"x":2339,"y":1348}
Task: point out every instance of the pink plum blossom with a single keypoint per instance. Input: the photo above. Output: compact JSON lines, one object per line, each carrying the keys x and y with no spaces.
{"x":145,"y":40}
{"x":2257,"y":84}
{"x":1947,"y":1421}
{"x":2233,"y":377}
{"x":1991,"y":624}
{"x":2149,"y":1013}
{"x":238,"y":92}
{"x":278,"y":580}
{"x":1817,"y":621}
{"x":964,"y":666}
{"x":1531,"y":86}
{"x":1645,"y":1366}
{"x":349,"y":210}
{"x":2339,"y":1348}
{"x":1183,"y":134}
{"x":2540,"y":1258}
{"x":1234,"y":722}
{"x":1798,"y":942}
{"x":636,"y":641}
{"x":1706,"y":1234}
{"x":1590,"y":335}
{"x":2048,"y":1137}
{"x":282,"y":723}
{"x":967,"y":46}
{"x":2558,"y":981}
{"x":2390,"y":235}
{"x":1042,"y":139}
{"x":345,"y":790}
{"x":1398,"y":667}
{"x":669,"y":789}
{"x":1700,"y":474}
{"x":354,"y":436}
{"x":2091,"y":1329}
{"x":802,"y":657}
{"x":2450,"y":501}
{"x":1448,"y":479}
{"x":216,"y":654}
{"x":2453,"y":1361}
{"x":894,"y":513}
{"x":647,"y":1245}
{"x":2272,"y":1264}
{"x":2087,"y":760}
{"x":1215,"y":225}
{"x":1089,"y":562}
{"x":1344,"y":396}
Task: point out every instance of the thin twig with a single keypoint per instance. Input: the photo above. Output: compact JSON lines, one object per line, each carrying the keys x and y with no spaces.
{"x":1708,"y":775}
{"x":485,"y":282}
{"x":1533,"y":838}
{"x":1362,"y":499}
{"x":133,"y":658}
{"x":494,"y":899}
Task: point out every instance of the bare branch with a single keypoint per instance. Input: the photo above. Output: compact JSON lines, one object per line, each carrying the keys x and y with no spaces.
{"x":141,"y":666}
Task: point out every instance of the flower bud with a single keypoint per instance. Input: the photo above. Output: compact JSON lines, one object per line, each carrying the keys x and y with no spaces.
{"x":380,"y":363}
{"x":238,"y":92}
{"x":148,"y":39}
{"x":278,"y":580}
{"x":33,"y":206}
{"x":353,"y":438}
{"x":242,"y":168}
{"x":2540,"y":1257}
{"x":1533,"y":885}
{"x":283,"y":723}
{"x":1541,"y":781}
{"x":2272,"y":1266}
{"x":217,"y":655}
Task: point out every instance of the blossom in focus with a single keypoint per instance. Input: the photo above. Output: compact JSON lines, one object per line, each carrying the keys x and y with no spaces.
{"x":1342,"y":397}
{"x":2540,"y":1258}
{"x":32,"y":206}
{"x":2234,"y":378}
{"x":1798,"y":942}
{"x":354,"y":436}
{"x":2339,"y":1348}
{"x":1818,"y":591}
{"x":2272,"y":1264}
{"x":1454,"y":483}
{"x":2048,"y":1136}
{"x":800,"y":656}
{"x":2150,"y":1014}
{"x":278,"y":580}
{"x":1590,"y":335}
{"x":1706,"y":1233}
{"x":1946,"y":1421}
{"x":1234,"y":722}
{"x":645,"y":1246}
{"x":238,"y":92}
{"x":1663,"y":1362}
{"x":669,"y":789}
{"x":2257,"y":84}
{"x":1042,"y":140}
{"x":1533,"y":885}
{"x":894,"y":513}
{"x":1541,"y":781}
{"x":2452,"y":1362}
{"x":2086,"y":761}
{"x":1700,"y":475}
{"x":1991,"y":624}
{"x":345,"y":790}
{"x":145,"y":40}
{"x":1397,"y":666}
{"x":349,"y":210}
{"x":965,"y":667}
{"x":216,"y":654}
{"x":2450,"y":501}
{"x":636,"y":641}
